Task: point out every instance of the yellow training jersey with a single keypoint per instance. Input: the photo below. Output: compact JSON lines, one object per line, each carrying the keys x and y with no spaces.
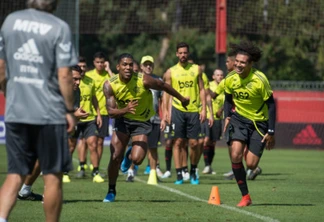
{"x":133,"y":90}
{"x":249,"y":94}
{"x":220,"y":88}
{"x":185,"y":81}
{"x":99,"y":80}
{"x":87,"y":91}
{"x":218,"y":102}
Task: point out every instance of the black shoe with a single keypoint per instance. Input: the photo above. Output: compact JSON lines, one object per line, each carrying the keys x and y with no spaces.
{"x":32,"y":197}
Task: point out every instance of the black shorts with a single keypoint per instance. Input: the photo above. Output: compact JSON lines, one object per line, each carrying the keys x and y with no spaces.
{"x":185,"y":124}
{"x":86,"y":129}
{"x":154,"y":136}
{"x":214,"y":133}
{"x":203,"y":129}
{"x":168,"y":132}
{"x":243,"y":129}
{"x":26,"y":143}
{"x":132,"y":127}
{"x":103,"y":131}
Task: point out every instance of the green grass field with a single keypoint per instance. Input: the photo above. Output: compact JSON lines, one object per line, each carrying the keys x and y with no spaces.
{"x":291,"y":188}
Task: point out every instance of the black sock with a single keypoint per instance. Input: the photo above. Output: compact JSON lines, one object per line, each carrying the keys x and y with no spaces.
{"x":206,"y":155}
{"x":211,"y":154}
{"x":66,"y":173}
{"x":158,"y":166}
{"x":240,"y":176}
{"x":185,"y":169}
{"x":179,"y":174}
{"x":112,"y":188}
{"x":193,"y":171}
{"x":168,"y":158}
{"x":95,"y":171}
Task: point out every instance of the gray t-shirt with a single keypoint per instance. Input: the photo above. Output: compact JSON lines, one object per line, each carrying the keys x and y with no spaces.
{"x":157,"y":95}
{"x":34,"y":45}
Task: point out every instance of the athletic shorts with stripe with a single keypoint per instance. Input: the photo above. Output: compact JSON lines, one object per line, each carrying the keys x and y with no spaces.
{"x":214,"y":133}
{"x":132,"y":127}
{"x":26,"y":143}
{"x":243,"y":129}
{"x":185,"y":124}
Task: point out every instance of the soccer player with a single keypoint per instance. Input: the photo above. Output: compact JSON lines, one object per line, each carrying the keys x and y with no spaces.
{"x":130,"y":102}
{"x":185,"y":77}
{"x":39,"y":101}
{"x":253,"y":122}
{"x":214,"y":132}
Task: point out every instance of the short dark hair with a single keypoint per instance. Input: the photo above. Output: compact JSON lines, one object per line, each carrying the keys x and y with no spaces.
{"x":247,"y":48}
{"x":82,"y":59}
{"x":77,"y":69}
{"x":231,"y":54}
{"x":124,"y":55}
{"x":99,"y":55}
{"x":182,"y":45}
{"x":42,"y":5}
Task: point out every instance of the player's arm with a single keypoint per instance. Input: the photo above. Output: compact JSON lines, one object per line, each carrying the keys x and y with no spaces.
{"x":107,"y":68}
{"x":95,"y":104}
{"x":269,"y":137}
{"x":228,"y":105}
{"x":210,"y":108}
{"x":202,"y":95}
{"x":213,"y":94}
{"x":3,"y":81}
{"x":111,"y":104}
{"x":166,"y":97}
{"x":152,"y":83}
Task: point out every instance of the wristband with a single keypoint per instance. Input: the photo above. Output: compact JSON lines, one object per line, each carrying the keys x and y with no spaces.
{"x":70,"y":110}
{"x":271,"y":132}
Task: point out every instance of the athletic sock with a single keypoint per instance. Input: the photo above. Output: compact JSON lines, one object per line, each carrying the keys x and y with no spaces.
{"x":25,"y":190}
{"x":211,"y":154}
{"x":95,"y":171}
{"x":112,"y":188}
{"x":240,"y":176}
{"x":185,"y":169}
{"x":179,"y":174}
{"x":193,"y":171}
{"x":168,"y":158}
{"x":206,"y":155}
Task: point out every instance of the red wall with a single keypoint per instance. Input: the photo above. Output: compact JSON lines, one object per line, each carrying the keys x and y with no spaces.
{"x":299,"y":107}
{"x":2,"y":102}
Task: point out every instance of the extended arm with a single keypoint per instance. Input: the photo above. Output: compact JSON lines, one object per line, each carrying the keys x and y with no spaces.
{"x":202,"y":94}
{"x":96,"y":106}
{"x":111,"y":104}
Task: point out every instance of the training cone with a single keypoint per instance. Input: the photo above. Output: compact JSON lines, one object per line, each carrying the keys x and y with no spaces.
{"x":152,"y":180}
{"x":214,"y":197}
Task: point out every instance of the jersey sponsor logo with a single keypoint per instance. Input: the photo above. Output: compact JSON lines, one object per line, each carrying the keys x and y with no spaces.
{"x":31,"y":27}
{"x":66,"y":47}
{"x":241,"y":95}
{"x":185,"y":84}
{"x":28,"y":52}
{"x":307,"y":136}
{"x":29,"y":81}
{"x":28,"y":69}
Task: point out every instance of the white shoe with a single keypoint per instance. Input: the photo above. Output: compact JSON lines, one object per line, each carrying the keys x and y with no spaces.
{"x":207,"y":170}
{"x":167,"y":174}
{"x":228,"y":174}
{"x":197,"y":173}
{"x":185,"y":176}
{"x":159,"y":172}
{"x":130,"y":175}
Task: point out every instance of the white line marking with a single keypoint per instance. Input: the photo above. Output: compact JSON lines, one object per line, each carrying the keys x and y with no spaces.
{"x":238,"y":210}
{"x":263,"y":218}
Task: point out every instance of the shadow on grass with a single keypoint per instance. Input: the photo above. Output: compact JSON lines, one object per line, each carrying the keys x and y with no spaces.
{"x":100,"y":201}
{"x":284,"y":204}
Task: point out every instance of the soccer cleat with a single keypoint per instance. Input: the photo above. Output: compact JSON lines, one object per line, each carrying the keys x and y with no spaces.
{"x":194,"y":181}
{"x":126,"y":163}
{"x":159,"y":172}
{"x":254,"y":173}
{"x":98,"y":179}
{"x":147,"y":170}
{"x":229,"y":175}
{"x":66,"y":179}
{"x":207,"y":170}
{"x":32,"y":197}
{"x":80,"y":174}
{"x":186,"y":176}
{"x":167,"y":174}
{"x":246,"y":201}
{"x":130,"y":176}
{"x":110,"y":197}
{"x":178,"y":182}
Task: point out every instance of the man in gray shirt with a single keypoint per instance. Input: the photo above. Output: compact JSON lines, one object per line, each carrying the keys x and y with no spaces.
{"x":36,"y":52}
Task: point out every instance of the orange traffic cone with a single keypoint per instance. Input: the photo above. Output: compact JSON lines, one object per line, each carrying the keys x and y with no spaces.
{"x":214,"y":197}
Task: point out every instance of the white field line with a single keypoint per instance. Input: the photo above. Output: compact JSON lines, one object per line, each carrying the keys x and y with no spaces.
{"x":235,"y":209}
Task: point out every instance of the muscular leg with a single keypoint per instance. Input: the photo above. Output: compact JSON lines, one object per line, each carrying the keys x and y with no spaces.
{"x":100,"y":147}
{"x":8,"y":193}
{"x":53,"y":196}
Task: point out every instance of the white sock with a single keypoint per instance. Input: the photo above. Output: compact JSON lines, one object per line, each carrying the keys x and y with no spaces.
{"x":3,"y":220}
{"x":25,"y":190}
